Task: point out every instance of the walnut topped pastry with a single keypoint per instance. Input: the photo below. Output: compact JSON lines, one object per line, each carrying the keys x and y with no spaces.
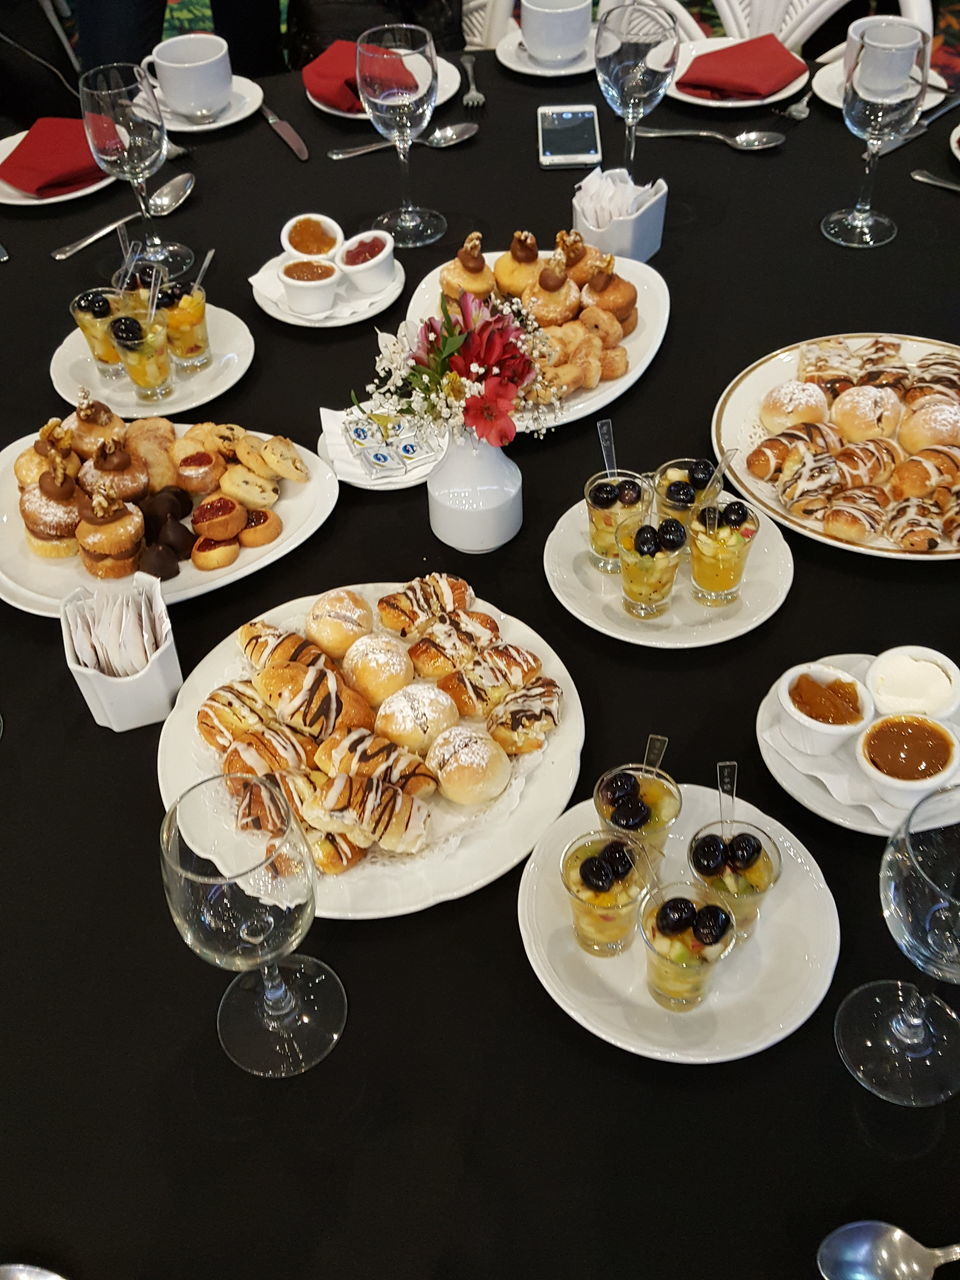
{"x":580,"y":259}
{"x":609,"y":291}
{"x":50,"y":512}
{"x":53,"y":437}
{"x":552,"y":298}
{"x":110,"y":534}
{"x":91,"y":423}
{"x":468,"y":272}
{"x":115,"y":470}
{"x":519,"y":266}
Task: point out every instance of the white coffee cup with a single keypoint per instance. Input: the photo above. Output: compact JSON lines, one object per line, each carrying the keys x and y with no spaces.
{"x":860,"y":25}
{"x":193,"y":74}
{"x":555,"y":31}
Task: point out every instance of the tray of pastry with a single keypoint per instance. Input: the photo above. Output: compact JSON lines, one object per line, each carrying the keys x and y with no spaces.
{"x":423,"y":738}
{"x":852,"y":439}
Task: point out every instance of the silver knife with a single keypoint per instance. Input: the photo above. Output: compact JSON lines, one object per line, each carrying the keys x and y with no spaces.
{"x":287,"y":132}
{"x":4,"y":256}
{"x":920,"y":128}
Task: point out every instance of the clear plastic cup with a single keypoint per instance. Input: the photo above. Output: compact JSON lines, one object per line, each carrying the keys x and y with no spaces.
{"x":680,"y":964}
{"x":92,"y":311}
{"x":743,"y":889}
{"x":677,"y":471}
{"x":605,"y":914}
{"x":145,"y":355}
{"x":186,"y":320}
{"x":647,"y":580}
{"x":616,"y":795}
{"x":134,"y":285}
{"x":718,"y":557}
{"x":610,"y":497}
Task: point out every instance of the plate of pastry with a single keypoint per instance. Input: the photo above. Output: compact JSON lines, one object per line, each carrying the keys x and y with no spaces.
{"x":690,"y":49}
{"x":422,"y":737}
{"x":853,"y":440}
{"x":827,"y":84}
{"x":89,"y":500}
{"x":765,"y":990}
{"x":448,"y":82}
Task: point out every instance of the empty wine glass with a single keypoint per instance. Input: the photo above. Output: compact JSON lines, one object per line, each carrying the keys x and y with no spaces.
{"x":900,"y":1044}
{"x":239,"y":880}
{"x":128,"y":139}
{"x":885,"y":77}
{"x":636,"y":56}
{"x":397,"y":82}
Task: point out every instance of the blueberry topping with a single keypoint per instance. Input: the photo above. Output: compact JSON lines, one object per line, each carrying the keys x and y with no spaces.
{"x":603,"y":495}
{"x":646,"y":542}
{"x":94,"y":303}
{"x":618,"y":788}
{"x":142,"y":278}
{"x":675,"y":915}
{"x":704,"y":518}
{"x":681,"y":493}
{"x":711,"y":924}
{"x":596,"y":874}
{"x":734,"y":514}
{"x":672,"y":535}
{"x":617,"y":857}
{"x":170,"y":295}
{"x":628,"y":491}
{"x":743,"y":851}
{"x":127,"y":331}
{"x":700,"y":473}
{"x":708,"y":855}
{"x":631,"y":814}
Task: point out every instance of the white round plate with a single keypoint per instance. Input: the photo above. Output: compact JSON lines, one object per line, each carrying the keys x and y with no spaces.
{"x":596,"y":599}
{"x":374,"y":891}
{"x":691,"y":49}
{"x":828,"y":86}
{"x":512,"y":53}
{"x":736,"y":425}
{"x":653,"y":305}
{"x":448,"y":82}
{"x":231,"y":346}
{"x":10,"y":195}
{"x":955,"y":143}
{"x":332,"y":446}
{"x":246,"y":97}
{"x":350,"y":304}
{"x":37,"y":586}
{"x":765,"y":990}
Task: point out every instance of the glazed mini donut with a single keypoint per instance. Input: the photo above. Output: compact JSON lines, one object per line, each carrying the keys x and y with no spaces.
{"x":249,"y":490}
{"x":933,"y":422}
{"x":581,"y":260}
{"x":336,"y":619}
{"x":468,"y":272}
{"x":376,"y":666}
{"x":200,"y":471}
{"x":613,"y":364}
{"x":790,"y":403}
{"x":208,"y":554}
{"x":607,"y":290}
{"x":218,"y":518}
{"x":604,"y":324}
{"x":552,"y":299}
{"x":864,"y":413}
{"x":519,"y":266}
{"x":262,"y":526}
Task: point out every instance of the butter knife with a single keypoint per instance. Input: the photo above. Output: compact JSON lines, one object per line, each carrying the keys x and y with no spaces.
{"x":287,"y":132}
{"x":920,"y":128}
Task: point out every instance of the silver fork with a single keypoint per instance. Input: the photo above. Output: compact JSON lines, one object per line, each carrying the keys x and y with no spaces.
{"x":473,"y":97}
{"x":796,"y":110}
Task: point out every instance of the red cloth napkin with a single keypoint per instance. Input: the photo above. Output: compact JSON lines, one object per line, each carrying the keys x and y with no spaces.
{"x":332,"y":78}
{"x":52,"y":160}
{"x":749,"y":69}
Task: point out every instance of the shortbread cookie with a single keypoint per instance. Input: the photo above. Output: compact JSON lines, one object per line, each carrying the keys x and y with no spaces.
{"x":281,"y":454}
{"x":251,"y":490}
{"x":250,"y":453}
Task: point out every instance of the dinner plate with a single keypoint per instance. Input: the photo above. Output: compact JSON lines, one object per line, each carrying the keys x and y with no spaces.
{"x":10,"y":195}
{"x":246,"y":97}
{"x":828,"y":86}
{"x":231,"y":347}
{"x":690,"y":49}
{"x":736,"y":425}
{"x":653,"y":305}
{"x":350,"y":304}
{"x":37,"y":586}
{"x":596,"y":599}
{"x":448,"y":82}
{"x":766,"y":990}
{"x":374,"y":890}
{"x":512,"y":53}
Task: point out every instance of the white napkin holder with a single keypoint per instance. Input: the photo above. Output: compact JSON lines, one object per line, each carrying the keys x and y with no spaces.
{"x":637,"y":235}
{"x":127,"y":702}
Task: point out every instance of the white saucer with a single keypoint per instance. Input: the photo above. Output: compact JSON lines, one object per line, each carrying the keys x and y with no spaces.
{"x":231,"y":346}
{"x":10,"y":195}
{"x":764,"y":991}
{"x":596,"y":599}
{"x":332,"y":447}
{"x":246,"y":97}
{"x":828,"y":86}
{"x":691,"y":49}
{"x":511,"y":52}
{"x":955,"y":143}
{"x":448,"y":82}
{"x":350,"y":305}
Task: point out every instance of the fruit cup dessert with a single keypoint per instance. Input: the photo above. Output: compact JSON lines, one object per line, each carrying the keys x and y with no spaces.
{"x":604,"y":879}
{"x":93,"y":311}
{"x":679,"y":487}
{"x":134,"y":285}
{"x":184,"y":308}
{"x":649,"y":560}
{"x":720,"y":540}
{"x":143,"y":349}
{"x":740,"y":869}
{"x":609,"y":498}
{"x":640,"y":800}
{"x":687,"y":931}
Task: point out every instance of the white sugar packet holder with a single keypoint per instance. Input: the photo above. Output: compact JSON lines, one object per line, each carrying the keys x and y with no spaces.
{"x":119,"y":646}
{"x":618,"y":217}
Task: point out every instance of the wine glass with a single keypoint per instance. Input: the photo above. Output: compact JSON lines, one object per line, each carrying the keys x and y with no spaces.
{"x":900,"y":1044}
{"x":636,"y":56}
{"x":126,"y":134}
{"x":397,"y":82}
{"x":885,"y":65}
{"x":239,"y":880}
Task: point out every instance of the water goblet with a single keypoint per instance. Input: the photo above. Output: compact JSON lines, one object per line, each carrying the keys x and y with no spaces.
{"x":900,"y":1044}
{"x":239,"y":880}
{"x":397,"y":83}
{"x":886,"y":66}
{"x":636,"y":56}
{"x":128,"y":139}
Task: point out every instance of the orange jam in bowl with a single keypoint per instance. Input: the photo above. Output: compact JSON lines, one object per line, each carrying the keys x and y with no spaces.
{"x":308,"y":271}
{"x":836,"y":702}
{"x":311,"y":237}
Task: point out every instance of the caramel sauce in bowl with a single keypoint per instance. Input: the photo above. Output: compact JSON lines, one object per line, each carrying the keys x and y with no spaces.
{"x":311,"y":235}
{"x":907,"y":756}
{"x":821,"y":707}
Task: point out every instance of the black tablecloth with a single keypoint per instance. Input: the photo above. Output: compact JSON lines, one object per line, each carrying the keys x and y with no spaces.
{"x":465,"y":1126}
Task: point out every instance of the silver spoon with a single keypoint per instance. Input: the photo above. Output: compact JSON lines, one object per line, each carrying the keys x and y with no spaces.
{"x":880,"y":1251}
{"x":754,"y":140}
{"x":448,"y":136}
{"x":796,"y":110}
{"x":922,"y":175}
{"x":163,"y":201}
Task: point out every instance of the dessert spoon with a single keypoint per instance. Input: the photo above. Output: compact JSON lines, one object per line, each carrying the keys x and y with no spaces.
{"x":753,"y":140}
{"x":880,"y":1251}
{"x":448,"y":136}
{"x":922,"y":175}
{"x":163,"y":201}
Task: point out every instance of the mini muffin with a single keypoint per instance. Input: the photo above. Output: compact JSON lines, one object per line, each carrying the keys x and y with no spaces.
{"x":53,"y":438}
{"x":116,"y":471}
{"x":468,"y":272}
{"x":519,"y":266}
{"x":50,"y":513}
{"x":553,"y":298}
{"x":110,"y":535}
{"x":91,"y":423}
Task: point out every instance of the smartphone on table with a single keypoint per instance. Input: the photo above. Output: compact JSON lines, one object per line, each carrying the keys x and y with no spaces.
{"x":568,"y":137}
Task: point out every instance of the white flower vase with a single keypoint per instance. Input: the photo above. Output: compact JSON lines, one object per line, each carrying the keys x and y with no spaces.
{"x":475,"y":496}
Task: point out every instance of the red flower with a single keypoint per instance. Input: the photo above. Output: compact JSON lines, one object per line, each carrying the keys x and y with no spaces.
{"x":489,"y":414}
{"x":493,"y":345}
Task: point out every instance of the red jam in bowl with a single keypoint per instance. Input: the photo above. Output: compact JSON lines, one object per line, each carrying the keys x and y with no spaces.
{"x":364,"y":251}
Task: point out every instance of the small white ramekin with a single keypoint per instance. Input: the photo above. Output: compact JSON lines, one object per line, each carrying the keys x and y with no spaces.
{"x":332,"y":229}
{"x":884,"y":696}
{"x":809,"y":736}
{"x":905,"y":792}
{"x":372,"y":276}
{"x":309,"y":297}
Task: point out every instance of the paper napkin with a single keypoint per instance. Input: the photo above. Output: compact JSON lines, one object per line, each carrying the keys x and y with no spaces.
{"x":617,"y":216}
